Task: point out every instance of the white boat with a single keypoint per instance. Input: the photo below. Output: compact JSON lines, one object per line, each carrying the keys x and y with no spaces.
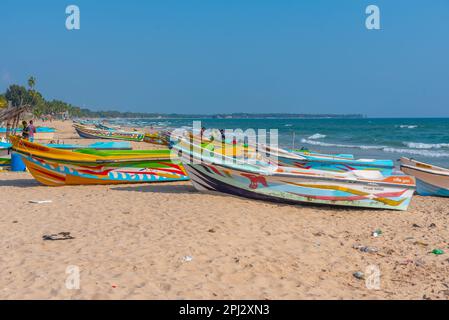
{"x":430,"y":180}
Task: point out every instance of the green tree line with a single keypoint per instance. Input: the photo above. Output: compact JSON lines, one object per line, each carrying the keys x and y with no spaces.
{"x":20,"y":95}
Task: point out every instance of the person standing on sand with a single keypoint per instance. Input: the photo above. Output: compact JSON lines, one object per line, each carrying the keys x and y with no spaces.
{"x":25,"y":132}
{"x":31,"y":131}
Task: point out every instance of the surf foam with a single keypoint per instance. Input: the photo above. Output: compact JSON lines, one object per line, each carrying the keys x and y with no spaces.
{"x":317,"y":136}
{"x":421,"y":145}
{"x":413,"y":151}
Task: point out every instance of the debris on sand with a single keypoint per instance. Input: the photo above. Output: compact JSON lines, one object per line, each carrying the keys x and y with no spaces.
{"x":58,"y":237}
{"x":359,"y":275}
{"x":40,"y":201}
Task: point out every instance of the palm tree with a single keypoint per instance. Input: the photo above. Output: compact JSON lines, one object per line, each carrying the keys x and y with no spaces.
{"x":31,"y":82}
{"x":31,"y":85}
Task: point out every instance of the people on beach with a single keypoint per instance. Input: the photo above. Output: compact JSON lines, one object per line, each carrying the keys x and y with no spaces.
{"x":202,"y":132}
{"x":25,"y":132}
{"x":31,"y":131}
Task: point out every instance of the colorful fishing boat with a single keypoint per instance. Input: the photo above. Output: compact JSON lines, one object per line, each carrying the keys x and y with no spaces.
{"x":356,"y":188}
{"x":303,"y":159}
{"x":55,"y":167}
{"x":103,"y":126}
{"x":307,"y":152}
{"x":156,"y":138}
{"x":93,"y":133}
{"x":333,"y":163}
{"x":109,"y":145}
{"x":430,"y":180}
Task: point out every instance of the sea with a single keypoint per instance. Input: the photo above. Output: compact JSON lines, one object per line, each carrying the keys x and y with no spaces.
{"x":424,"y":139}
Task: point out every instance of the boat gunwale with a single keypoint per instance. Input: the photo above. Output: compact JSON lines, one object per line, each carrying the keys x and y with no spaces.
{"x":360,"y":163}
{"x":279,"y":199}
{"x":57,"y":155}
{"x":97,"y":161}
{"x":415,"y":162}
{"x":259,"y":170}
{"x":429,"y":171}
{"x":81,"y":127}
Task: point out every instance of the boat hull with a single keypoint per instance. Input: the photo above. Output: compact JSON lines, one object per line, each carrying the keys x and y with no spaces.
{"x":299,"y":189}
{"x":155,"y":138}
{"x":56,"y":173}
{"x":91,"y":133}
{"x":430,"y":180}
{"x":330,"y":163}
{"x":110,"y":145}
{"x":384,"y":167}
{"x":56,"y":167}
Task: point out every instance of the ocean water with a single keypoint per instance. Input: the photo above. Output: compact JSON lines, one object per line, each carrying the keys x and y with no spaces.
{"x":422,"y":139}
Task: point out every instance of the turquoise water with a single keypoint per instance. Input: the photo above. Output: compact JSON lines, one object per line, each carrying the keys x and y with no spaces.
{"x":423,"y":139}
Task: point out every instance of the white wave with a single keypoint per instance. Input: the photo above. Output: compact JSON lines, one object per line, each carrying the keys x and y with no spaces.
{"x":408,"y":126}
{"x":420,"y":145}
{"x":421,"y":152}
{"x":324,"y":144}
{"x":317,"y":136}
{"x":288,"y":125}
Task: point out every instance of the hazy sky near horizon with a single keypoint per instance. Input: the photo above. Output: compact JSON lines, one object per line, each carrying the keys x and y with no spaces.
{"x":212,"y":56}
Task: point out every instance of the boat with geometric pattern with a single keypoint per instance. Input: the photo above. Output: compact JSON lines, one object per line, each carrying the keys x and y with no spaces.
{"x":55,"y":167}
{"x":296,"y":185}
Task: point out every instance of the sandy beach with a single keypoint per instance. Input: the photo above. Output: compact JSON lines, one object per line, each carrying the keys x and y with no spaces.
{"x":168,"y":241}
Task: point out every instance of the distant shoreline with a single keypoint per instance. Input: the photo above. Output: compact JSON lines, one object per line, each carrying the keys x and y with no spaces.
{"x":235,"y":116}
{"x":212,"y":117}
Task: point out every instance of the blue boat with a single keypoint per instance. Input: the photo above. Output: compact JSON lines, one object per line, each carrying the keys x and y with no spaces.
{"x":122,"y":145}
{"x":334,"y":163}
{"x":38,"y":130}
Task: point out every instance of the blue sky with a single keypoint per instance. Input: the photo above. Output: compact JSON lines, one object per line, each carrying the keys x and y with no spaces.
{"x":210,"y":56}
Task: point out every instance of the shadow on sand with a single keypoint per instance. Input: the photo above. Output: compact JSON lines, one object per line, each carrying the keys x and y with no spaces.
{"x":158,"y":188}
{"x":188,"y":189}
{"x":20,"y":183}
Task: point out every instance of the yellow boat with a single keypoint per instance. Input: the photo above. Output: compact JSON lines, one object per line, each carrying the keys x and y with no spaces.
{"x":55,"y":167}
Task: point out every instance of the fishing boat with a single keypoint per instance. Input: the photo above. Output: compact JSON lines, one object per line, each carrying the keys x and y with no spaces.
{"x":109,"y":145}
{"x":358,"y":188}
{"x":327,"y":162}
{"x":156,"y":138}
{"x":303,"y":159}
{"x":307,"y":152}
{"x":430,"y":180}
{"x":106,"y":127}
{"x":55,"y":167}
{"x":94,"y":133}
{"x":103,"y":127}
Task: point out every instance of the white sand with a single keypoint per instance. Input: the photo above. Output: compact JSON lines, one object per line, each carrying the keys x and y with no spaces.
{"x":130,"y":242}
